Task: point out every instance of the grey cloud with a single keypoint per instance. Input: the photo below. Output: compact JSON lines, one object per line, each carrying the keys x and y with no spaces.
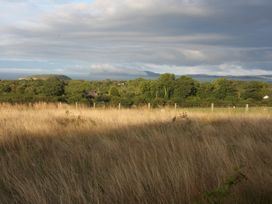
{"x":181,"y":33}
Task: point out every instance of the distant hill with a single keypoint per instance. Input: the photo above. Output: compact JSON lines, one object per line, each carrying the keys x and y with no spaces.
{"x":198,"y":77}
{"x":203,"y":77}
{"x":150,"y":75}
{"x":45,"y":77}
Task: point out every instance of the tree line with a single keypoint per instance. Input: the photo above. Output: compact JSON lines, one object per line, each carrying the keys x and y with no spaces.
{"x":166,"y":90}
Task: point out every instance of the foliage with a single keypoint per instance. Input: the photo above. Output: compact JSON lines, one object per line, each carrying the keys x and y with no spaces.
{"x":166,"y":90}
{"x":114,"y":92}
{"x":218,"y":195}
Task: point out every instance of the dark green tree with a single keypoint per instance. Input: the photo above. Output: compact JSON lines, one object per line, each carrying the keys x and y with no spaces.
{"x":223,"y":88}
{"x":114,"y":92}
{"x":166,"y":85}
{"x":185,"y":87}
{"x":254,"y":90}
{"x":53,"y":87}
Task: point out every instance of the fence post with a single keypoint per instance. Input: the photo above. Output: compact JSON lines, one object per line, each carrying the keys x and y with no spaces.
{"x":119,"y":106}
{"x":149,"y":106}
{"x":94,"y":105}
{"x":212,"y":107}
{"x":247,"y":107}
{"x":176,"y":106}
{"x":76,"y":105}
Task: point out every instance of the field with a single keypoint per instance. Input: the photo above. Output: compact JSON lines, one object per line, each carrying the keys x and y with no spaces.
{"x":67,"y":155}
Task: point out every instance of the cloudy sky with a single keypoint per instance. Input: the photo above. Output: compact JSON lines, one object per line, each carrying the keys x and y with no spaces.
{"x":105,"y":37}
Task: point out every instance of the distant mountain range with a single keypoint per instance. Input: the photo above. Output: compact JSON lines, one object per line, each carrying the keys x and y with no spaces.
{"x":203,"y":77}
{"x":152,"y":75}
{"x":45,"y":77}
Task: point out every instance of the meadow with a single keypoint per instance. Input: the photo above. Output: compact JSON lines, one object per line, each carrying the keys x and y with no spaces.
{"x":68,"y":155}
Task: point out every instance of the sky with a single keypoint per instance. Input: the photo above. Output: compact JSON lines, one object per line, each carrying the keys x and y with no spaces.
{"x":85,"y":38}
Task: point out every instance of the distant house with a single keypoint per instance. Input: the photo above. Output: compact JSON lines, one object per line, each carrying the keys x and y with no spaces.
{"x":93,"y":94}
{"x":121,"y":84}
{"x":90,"y":94}
{"x":266,"y":97}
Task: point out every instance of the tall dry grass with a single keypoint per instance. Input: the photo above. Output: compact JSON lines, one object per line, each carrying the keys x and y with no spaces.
{"x":64,"y":155}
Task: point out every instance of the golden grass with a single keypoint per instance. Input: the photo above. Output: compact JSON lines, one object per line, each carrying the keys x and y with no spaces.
{"x":68,"y":155}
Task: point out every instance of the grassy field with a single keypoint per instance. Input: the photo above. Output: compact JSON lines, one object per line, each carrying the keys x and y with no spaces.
{"x":67,"y":155}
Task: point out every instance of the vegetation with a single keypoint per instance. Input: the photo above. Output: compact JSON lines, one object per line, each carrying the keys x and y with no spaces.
{"x":68,"y":155}
{"x":167,"y":90}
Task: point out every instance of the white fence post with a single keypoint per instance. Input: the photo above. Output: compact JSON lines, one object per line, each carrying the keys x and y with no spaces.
{"x":212,"y":107}
{"x":247,"y":107}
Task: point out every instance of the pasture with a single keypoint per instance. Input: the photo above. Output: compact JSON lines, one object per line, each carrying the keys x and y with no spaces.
{"x":68,"y":155}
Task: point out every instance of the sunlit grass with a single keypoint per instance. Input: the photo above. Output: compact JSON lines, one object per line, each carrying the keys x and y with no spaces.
{"x":59,"y":154}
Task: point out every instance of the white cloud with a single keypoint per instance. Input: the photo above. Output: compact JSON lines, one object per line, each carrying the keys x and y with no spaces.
{"x":105,"y":69}
{"x":194,"y":55}
{"x":220,"y":70}
{"x":22,"y":70}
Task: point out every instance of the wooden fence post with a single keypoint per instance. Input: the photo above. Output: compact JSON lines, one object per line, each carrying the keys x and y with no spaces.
{"x":176,"y":106}
{"x":149,"y":106}
{"x":94,"y":105}
{"x":119,"y":106}
{"x":212,"y":107}
{"x":247,"y":107}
